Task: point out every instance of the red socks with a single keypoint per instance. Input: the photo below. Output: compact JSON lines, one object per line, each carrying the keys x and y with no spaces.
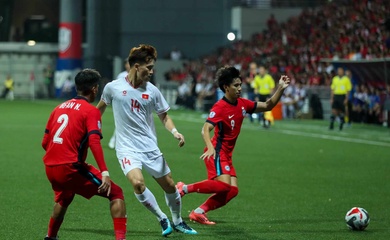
{"x":208,"y":186}
{"x":54,"y":226}
{"x":219,"y":199}
{"x":120,"y":228}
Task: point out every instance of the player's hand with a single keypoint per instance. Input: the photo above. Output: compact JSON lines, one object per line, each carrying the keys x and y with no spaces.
{"x":179,"y":137}
{"x":105,"y":186}
{"x":284,"y":81}
{"x":206,"y":155}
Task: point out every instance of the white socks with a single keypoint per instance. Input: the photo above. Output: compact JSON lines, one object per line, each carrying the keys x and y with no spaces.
{"x":199,"y":210}
{"x":149,"y":201}
{"x":173,"y":201}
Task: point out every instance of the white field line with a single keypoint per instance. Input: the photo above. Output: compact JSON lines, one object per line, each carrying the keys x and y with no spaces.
{"x":335,"y":138}
{"x":296,"y":133}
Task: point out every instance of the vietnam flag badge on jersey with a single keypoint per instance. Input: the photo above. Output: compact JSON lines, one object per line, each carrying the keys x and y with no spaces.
{"x":145,"y":96}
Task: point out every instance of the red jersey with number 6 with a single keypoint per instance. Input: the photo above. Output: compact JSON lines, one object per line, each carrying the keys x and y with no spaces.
{"x":227,"y":119}
{"x":68,"y":130}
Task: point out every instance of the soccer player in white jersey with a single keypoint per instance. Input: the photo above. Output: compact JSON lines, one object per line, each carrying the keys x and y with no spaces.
{"x":111,"y":143}
{"x":134,"y":99}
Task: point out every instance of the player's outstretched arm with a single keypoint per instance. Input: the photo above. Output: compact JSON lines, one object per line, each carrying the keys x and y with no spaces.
{"x":284,"y":82}
{"x":170,"y":126}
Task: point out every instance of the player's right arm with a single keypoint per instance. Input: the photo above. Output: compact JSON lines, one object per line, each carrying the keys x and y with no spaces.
{"x":284,"y":82}
{"x":105,"y":99}
{"x":207,"y":128}
{"x":102,"y":107}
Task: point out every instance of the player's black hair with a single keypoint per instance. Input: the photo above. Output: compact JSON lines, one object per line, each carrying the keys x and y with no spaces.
{"x":86,"y":79}
{"x":226,"y":75}
{"x":142,"y":54}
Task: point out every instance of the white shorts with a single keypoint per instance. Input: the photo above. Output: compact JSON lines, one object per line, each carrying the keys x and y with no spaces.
{"x":153,"y":162}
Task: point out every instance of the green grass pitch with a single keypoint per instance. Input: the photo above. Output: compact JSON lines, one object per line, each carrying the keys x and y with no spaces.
{"x":297,"y":180}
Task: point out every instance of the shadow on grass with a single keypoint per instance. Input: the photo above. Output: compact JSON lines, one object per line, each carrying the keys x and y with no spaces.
{"x":108,"y":232}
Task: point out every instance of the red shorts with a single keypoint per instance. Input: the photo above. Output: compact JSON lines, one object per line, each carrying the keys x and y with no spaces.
{"x":222,"y":164}
{"x":82,"y":179}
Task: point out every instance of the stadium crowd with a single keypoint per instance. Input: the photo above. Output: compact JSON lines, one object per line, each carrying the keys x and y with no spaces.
{"x":350,"y":30}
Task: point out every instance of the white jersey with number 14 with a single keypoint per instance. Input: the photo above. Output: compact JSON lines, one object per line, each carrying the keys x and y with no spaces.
{"x":133,"y":113}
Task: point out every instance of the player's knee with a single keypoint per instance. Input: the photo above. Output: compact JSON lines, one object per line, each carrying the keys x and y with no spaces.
{"x":139,"y":186}
{"x":223,"y":187}
{"x":116,"y":193}
{"x":66,"y":202}
{"x":233,"y":191}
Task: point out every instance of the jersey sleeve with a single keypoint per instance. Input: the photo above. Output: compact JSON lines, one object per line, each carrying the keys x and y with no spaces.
{"x":107,"y":94}
{"x":94,"y":136}
{"x":215,"y":115}
{"x":46,"y":135}
{"x":94,"y":123}
{"x":250,"y":106}
{"x":160,"y":104}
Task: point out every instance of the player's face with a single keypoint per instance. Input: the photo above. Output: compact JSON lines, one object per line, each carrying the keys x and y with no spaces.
{"x":340,"y":72}
{"x":145,"y":71}
{"x":233,"y":91}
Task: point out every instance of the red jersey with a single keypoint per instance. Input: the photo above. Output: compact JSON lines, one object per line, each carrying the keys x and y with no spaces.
{"x":227,"y":119}
{"x":73,"y":126}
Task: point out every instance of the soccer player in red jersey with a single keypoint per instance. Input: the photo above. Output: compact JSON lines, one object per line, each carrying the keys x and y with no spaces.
{"x":74,"y":126}
{"x":225,"y":118}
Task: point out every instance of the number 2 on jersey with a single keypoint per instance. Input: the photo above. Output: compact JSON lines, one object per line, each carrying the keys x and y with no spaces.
{"x":63,"y":119}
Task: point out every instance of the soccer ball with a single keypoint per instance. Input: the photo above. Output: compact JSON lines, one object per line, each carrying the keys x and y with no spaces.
{"x":357,"y":218}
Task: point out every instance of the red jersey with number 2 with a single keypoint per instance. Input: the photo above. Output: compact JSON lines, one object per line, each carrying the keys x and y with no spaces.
{"x":67,"y":132}
{"x":227,"y":119}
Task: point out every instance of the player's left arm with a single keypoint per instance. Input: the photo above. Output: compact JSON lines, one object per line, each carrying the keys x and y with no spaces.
{"x":46,"y":136}
{"x":94,"y":136}
{"x":284,"y":82}
{"x":170,"y":126}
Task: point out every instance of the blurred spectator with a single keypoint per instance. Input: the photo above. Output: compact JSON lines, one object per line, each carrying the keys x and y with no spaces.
{"x":314,"y":79}
{"x":184,"y":97}
{"x":360,"y":98}
{"x":249,"y":83}
{"x":176,"y":54}
{"x":8,"y":92}
{"x":206,"y":94}
{"x":263,"y":86}
{"x":288,"y":108}
{"x":48,"y":75}
{"x":68,"y":89}
{"x":299,"y":98}
{"x":373,"y":105}
{"x":302,"y":46}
